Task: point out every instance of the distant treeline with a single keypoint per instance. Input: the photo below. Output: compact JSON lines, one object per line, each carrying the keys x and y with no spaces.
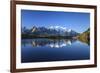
{"x":26,"y":36}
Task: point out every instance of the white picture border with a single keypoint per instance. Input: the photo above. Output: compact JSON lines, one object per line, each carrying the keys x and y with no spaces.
{"x":20,"y":65}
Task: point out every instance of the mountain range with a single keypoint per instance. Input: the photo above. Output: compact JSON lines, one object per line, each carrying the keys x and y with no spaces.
{"x":48,"y":31}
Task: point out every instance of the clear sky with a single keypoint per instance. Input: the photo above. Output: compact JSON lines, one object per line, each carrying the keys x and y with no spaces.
{"x":76,"y":21}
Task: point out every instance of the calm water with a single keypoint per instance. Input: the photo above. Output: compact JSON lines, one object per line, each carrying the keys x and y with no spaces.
{"x":41,"y":50}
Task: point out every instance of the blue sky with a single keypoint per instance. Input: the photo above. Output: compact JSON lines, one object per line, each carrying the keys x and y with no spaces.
{"x":76,"y":21}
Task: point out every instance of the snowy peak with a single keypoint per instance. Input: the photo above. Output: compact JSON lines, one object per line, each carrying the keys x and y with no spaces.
{"x":58,"y":28}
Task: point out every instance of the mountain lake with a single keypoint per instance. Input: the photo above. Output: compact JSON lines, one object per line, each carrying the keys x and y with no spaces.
{"x":48,"y":50}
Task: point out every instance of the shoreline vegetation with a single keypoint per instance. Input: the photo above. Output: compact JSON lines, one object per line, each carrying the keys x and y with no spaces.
{"x":24,"y":36}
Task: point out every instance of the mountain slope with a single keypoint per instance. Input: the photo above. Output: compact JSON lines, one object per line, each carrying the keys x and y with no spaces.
{"x":85,"y":36}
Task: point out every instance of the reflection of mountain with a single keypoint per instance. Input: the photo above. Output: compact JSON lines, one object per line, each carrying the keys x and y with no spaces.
{"x":85,"y":36}
{"x":54,"y":43}
{"x":47,"y":32}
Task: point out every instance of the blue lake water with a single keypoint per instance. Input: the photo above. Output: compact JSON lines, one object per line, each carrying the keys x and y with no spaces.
{"x":43,"y":50}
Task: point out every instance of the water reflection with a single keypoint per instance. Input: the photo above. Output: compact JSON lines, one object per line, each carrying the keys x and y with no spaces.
{"x":43,"y":50}
{"x":53,"y":43}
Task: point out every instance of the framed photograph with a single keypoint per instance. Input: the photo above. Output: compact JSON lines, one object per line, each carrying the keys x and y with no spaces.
{"x":52,"y":36}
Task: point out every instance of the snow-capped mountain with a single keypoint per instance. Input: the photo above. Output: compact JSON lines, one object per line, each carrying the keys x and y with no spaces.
{"x":50,"y":31}
{"x":58,"y":28}
{"x":64,"y":31}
